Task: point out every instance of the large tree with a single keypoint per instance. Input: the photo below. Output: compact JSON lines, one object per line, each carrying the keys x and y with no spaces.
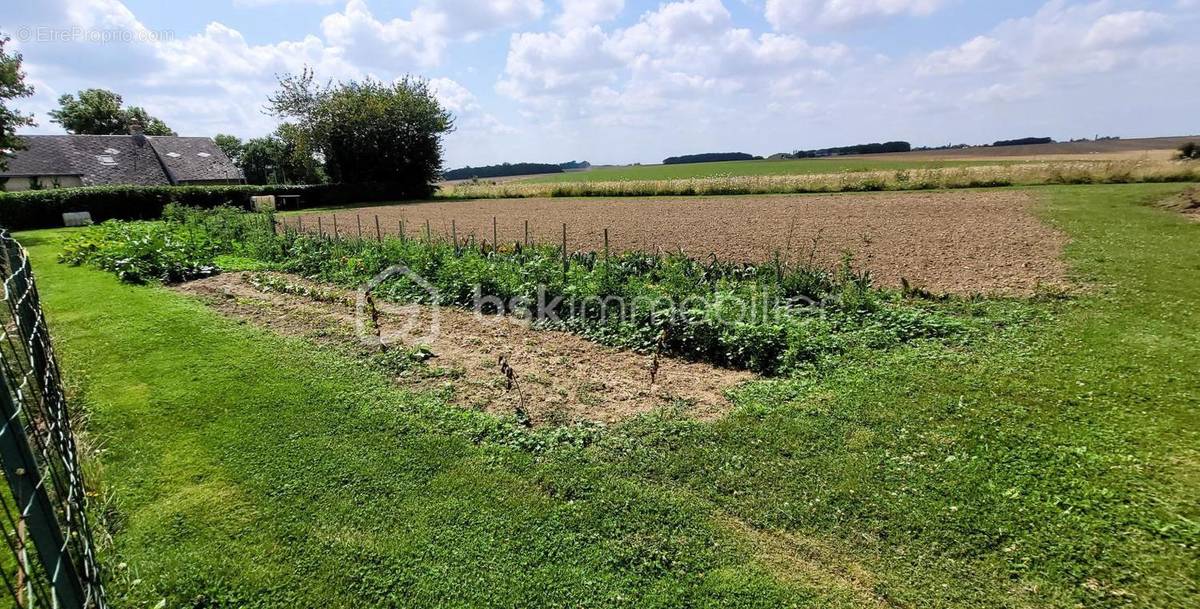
{"x":369,"y":131}
{"x":284,"y":157}
{"x":231,"y":145}
{"x":100,"y":112}
{"x":12,"y":86}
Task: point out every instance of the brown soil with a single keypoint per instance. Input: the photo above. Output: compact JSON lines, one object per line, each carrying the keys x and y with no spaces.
{"x":958,"y":242}
{"x":562,"y":378}
{"x":1186,"y":203}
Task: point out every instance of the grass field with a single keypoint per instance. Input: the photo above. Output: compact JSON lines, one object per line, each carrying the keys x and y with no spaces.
{"x":748,"y":168}
{"x":1053,"y":463}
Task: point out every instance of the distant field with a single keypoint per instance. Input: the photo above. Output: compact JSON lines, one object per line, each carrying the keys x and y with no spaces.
{"x":1159,"y":148}
{"x":1155,"y":148}
{"x":747,"y":168}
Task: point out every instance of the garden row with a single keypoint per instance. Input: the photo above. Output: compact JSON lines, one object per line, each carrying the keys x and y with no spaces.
{"x":770,"y":318}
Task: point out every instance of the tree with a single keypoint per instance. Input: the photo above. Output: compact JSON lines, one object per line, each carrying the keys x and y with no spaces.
{"x":99,"y":112}
{"x":231,"y":145}
{"x":12,"y":86}
{"x":299,"y":161}
{"x":369,"y":131}
{"x":284,"y":157}
{"x":260,"y":160}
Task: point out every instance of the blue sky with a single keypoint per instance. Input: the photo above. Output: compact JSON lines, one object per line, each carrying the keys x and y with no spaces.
{"x":617,"y":81}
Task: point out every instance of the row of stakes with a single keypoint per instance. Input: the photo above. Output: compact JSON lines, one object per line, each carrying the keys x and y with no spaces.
{"x":429,"y":233}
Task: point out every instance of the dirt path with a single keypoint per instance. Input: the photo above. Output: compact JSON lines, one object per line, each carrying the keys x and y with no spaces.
{"x":562,"y":378}
{"x":958,"y":242}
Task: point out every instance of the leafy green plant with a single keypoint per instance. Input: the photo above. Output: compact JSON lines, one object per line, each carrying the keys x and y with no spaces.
{"x":767,"y":318}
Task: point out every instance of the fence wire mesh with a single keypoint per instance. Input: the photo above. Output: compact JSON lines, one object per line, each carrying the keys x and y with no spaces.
{"x":50,"y":559}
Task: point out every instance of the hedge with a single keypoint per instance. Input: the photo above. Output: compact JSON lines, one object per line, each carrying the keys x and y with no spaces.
{"x":44,"y":208}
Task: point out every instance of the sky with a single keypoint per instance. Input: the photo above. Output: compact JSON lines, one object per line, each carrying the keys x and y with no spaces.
{"x":624,"y":81}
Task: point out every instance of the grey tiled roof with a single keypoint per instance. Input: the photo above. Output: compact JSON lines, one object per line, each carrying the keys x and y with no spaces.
{"x":122,"y":159}
{"x":191,"y":159}
{"x":43,"y":156}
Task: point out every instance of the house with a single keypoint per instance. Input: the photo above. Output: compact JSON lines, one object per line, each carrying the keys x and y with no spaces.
{"x":65,"y":161}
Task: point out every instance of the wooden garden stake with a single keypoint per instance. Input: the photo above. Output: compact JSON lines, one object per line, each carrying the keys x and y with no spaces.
{"x":564,"y":248}
{"x":378,"y":233}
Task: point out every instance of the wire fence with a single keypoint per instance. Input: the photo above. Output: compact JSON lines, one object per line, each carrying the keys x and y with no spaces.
{"x":50,"y":559}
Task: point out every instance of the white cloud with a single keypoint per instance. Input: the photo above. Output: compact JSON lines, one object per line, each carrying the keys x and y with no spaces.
{"x":1001,"y":93}
{"x":1124,"y":28}
{"x":979,"y":54}
{"x":422,"y":38}
{"x":586,"y":13}
{"x":258,"y":3}
{"x":664,"y":67}
{"x":418,"y":40}
{"x":472,"y":18}
{"x":807,"y":14}
{"x":453,"y":96}
{"x":547,"y":63}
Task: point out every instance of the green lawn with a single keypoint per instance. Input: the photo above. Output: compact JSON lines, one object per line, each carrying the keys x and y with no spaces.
{"x":1054,"y":463}
{"x":749,"y":168}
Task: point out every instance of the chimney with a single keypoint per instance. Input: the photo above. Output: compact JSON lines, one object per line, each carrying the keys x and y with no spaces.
{"x":135,"y":130}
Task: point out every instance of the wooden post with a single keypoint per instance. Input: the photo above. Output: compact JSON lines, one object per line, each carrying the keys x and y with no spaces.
{"x":400,"y":227}
{"x":495,"y":244}
{"x":527,"y":233}
{"x":606,"y":245}
{"x":378,"y":232}
{"x":564,"y":248}
{"x":358,"y":221}
{"x":320,"y":230}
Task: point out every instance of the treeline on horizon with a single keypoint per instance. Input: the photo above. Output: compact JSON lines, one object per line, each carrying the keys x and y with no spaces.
{"x":873,"y":148}
{"x":512,"y":169}
{"x":1025,"y":141}
{"x":709,"y":157}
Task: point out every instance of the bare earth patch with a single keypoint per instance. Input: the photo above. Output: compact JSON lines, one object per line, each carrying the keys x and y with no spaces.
{"x":960,"y":242}
{"x":1186,"y":203}
{"x":563,"y":378}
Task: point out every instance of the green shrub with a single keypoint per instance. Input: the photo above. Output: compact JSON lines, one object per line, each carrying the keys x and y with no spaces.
{"x":1190,"y":150}
{"x":140,"y":252}
{"x":44,"y":208}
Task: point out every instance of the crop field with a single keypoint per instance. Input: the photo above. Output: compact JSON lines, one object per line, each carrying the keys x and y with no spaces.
{"x":906,"y":176}
{"x":1013,"y":426}
{"x":1157,"y":149}
{"x":748,"y":168}
{"x":960,"y":241}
